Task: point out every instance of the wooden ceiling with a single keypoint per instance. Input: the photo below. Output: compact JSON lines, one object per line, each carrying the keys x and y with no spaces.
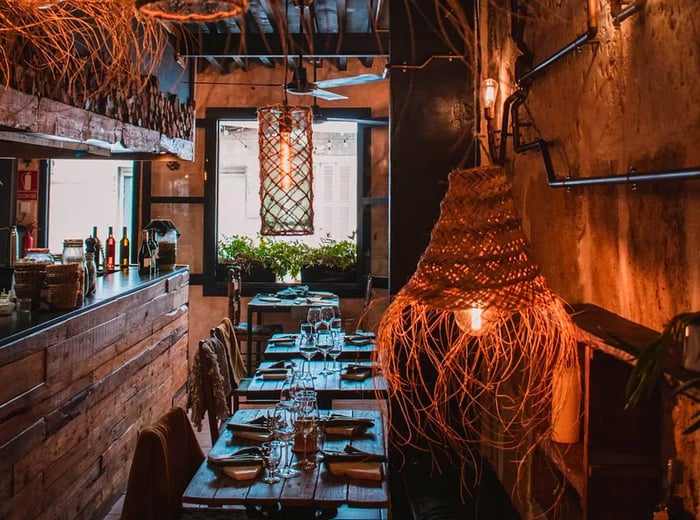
{"x":272,"y":31}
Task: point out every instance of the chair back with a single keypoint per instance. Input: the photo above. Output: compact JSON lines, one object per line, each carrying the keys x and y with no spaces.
{"x":368,"y":291}
{"x":166,"y":458}
{"x":234,"y":281}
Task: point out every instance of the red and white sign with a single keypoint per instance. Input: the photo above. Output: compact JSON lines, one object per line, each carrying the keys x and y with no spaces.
{"x":28,"y":185}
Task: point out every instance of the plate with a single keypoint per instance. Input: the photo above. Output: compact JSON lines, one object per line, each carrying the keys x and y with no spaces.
{"x":269,"y":299}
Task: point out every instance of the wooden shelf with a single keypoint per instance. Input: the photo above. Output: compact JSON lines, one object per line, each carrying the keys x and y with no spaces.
{"x":37,"y":123}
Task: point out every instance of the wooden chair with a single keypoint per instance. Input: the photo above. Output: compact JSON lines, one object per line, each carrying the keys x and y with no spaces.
{"x":205,"y":371}
{"x":167,"y":456}
{"x":260,"y":333}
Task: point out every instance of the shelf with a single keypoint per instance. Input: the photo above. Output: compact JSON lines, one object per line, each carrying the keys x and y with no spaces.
{"x":568,"y":458}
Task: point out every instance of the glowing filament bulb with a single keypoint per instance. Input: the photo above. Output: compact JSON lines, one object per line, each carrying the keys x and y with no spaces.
{"x":475,"y":315}
{"x":285,"y":154}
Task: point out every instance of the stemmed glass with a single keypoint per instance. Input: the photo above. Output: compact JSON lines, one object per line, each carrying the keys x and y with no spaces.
{"x":272,"y":455}
{"x":284,"y":430}
{"x":307,"y":420}
{"x":336,"y":350}
{"x":324,"y":342}
{"x":327,"y":314}
{"x":313,"y":316}
{"x":307,"y":344}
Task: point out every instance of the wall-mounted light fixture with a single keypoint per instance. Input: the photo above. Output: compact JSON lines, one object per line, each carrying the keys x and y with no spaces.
{"x":489,"y":93}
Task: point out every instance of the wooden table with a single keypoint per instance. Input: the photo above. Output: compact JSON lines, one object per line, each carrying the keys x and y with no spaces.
{"x":353,"y":352}
{"x":327,"y":387}
{"x":299,"y":496}
{"x":268,"y":304}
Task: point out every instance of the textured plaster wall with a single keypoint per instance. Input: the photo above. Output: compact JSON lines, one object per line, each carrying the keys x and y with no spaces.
{"x":630,"y":100}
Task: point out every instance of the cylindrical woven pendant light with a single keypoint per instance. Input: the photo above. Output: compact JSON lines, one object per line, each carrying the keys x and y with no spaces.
{"x":286,"y":170}
{"x":191,"y":10}
{"x":470,"y":344}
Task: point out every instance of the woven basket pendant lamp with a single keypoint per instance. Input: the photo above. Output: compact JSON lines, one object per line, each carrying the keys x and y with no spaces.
{"x":471,"y":343}
{"x":191,"y":10}
{"x":286,"y":170}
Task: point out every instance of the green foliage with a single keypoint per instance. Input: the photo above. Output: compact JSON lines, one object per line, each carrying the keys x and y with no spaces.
{"x":287,"y":257}
{"x":333,"y":253}
{"x":651,"y":360}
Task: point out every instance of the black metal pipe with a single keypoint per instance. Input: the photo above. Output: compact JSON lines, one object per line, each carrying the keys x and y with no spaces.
{"x":627,"y":12}
{"x":580,"y":40}
{"x":500,"y":157}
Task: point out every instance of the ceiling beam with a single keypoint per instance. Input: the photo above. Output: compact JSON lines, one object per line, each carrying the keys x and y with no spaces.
{"x":351,"y":45}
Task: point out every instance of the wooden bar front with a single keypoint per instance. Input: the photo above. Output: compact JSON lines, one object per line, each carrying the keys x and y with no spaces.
{"x":76,"y":388}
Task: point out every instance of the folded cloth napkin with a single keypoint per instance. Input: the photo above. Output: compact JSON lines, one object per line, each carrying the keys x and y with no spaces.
{"x":284,"y":364}
{"x":355,"y":463}
{"x":248,"y":431}
{"x":343,"y":425}
{"x":357,"y":339}
{"x":286,"y":340}
{"x":274,"y":374}
{"x":244,"y":464}
{"x":293,"y":292}
{"x":358,"y":372}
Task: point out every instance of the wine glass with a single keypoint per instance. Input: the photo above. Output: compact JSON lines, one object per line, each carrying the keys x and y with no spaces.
{"x":272,"y":455}
{"x":324,"y":342}
{"x":307,"y":344}
{"x":327,"y":314}
{"x":307,"y":421}
{"x":336,"y":350}
{"x":285,"y":430}
{"x":313,"y":316}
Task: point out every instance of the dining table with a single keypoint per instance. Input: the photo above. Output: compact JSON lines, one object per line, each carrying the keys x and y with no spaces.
{"x":313,"y":490}
{"x":356,"y":380}
{"x":284,"y":301}
{"x":358,"y":346}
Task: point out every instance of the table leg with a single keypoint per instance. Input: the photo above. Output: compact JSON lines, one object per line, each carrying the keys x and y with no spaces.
{"x":249,"y":340}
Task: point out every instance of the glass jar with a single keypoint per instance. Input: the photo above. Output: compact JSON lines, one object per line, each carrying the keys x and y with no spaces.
{"x":40,"y":255}
{"x":73,"y":253}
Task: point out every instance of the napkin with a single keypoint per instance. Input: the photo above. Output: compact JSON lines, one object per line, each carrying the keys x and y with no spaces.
{"x":355,"y":463}
{"x":287,"y":340}
{"x":357,"y":372}
{"x":347,"y":426}
{"x":357,"y":339}
{"x":252,"y":432}
{"x":282,"y":364}
{"x":244,"y":464}
{"x":272,"y":374}
{"x":292,"y":292}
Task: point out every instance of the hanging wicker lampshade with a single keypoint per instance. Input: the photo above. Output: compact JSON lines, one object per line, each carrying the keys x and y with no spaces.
{"x":191,"y":10}
{"x":471,"y":344}
{"x":286,"y":170}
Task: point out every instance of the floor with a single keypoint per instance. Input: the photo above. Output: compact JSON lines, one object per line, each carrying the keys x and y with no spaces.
{"x":343,"y":514}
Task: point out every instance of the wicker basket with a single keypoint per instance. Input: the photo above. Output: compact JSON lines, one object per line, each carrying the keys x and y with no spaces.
{"x":64,"y":296}
{"x":29,"y":279}
{"x":62,"y":273}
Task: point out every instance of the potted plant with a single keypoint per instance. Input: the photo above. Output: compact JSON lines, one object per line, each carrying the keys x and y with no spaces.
{"x":282,"y":257}
{"x":333,"y":261}
{"x":252,"y":259}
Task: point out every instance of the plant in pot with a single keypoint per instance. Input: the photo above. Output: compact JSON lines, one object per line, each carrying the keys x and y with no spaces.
{"x":241,"y":250}
{"x":666,"y":350}
{"x":282,"y":257}
{"x":332,"y":261}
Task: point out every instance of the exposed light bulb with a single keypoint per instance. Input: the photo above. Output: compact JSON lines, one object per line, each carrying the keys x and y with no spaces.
{"x":489,"y":91}
{"x":285,"y":156}
{"x":471,"y":320}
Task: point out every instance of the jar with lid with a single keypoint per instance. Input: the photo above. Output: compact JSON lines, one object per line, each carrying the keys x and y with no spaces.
{"x":73,"y":253}
{"x":40,"y":255}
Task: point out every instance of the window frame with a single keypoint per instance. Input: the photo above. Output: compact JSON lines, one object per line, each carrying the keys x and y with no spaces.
{"x":212,"y":285}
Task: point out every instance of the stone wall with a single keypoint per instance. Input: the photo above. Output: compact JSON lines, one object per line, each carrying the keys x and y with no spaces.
{"x":628,"y":100}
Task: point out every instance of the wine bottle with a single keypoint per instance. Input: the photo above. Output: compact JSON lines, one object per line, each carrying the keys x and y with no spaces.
{"x":110,"y":251}
{"x":145,"y":258}
{"x":124,"y":250}
{"x":153,"y":246}
{"x":99,"y":264}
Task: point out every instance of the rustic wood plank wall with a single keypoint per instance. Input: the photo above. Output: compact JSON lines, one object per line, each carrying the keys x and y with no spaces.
{"x":74,"y":397}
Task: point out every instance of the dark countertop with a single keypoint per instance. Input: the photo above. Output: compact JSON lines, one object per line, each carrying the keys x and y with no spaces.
{"x":109,"y":287}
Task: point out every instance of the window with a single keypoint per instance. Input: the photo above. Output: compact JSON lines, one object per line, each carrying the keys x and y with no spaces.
{"x":335,"y":180}
{"x":341,"y":186}
{"x":85,"y":193}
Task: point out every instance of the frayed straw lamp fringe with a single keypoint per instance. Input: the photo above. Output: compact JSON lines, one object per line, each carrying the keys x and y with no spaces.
{"x":471,"y":343}
{"x":191,"y":10}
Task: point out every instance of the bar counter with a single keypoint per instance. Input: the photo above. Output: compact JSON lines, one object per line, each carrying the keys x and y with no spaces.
{"x":76,"y":387}
{"x":107,"y":288}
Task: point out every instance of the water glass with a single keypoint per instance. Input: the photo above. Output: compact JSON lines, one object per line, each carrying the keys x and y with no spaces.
{"x":272,"y":455}
{"x":285,"y":429}
{"x":336,"y":350}
{"x":324,"y":342}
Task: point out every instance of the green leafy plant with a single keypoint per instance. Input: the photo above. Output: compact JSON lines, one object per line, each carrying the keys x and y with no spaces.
{"x":283,"y":257}
{"x":338,"y":254}
{"x":652,"y":359}
{"x":238,"y":249}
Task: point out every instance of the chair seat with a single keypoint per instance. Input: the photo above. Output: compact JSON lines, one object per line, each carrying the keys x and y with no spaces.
{"x":258,"y":330}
